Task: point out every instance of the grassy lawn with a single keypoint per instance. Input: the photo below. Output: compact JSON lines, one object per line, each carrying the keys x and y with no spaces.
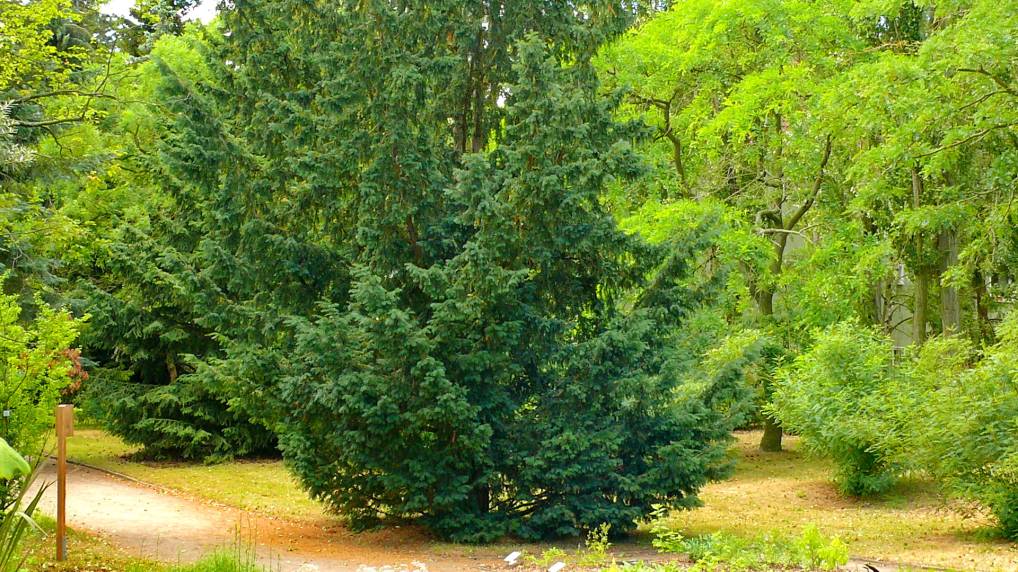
{"x":770,"y":493}
{"x":784,"y":492}
{"x":262,"y":486}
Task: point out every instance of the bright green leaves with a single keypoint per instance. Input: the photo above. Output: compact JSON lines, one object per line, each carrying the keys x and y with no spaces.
{"x":35,"y":366}
{"x":12,"y":464}
{"x":834,"y":397}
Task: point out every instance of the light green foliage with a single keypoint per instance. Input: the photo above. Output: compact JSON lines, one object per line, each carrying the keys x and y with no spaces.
{"x":12,"y":463}
{"x":25,"y":42}
{"x":596,"y":547}
{"x":547,"y":557}
{"x":944,"y":410}
{"x":833,"y":396}
{"x":17,"y":510}
{"x":731,"y":88}
{"x":34,"y":368}
{"x":810,"y":550}
{"x":964,"y":428}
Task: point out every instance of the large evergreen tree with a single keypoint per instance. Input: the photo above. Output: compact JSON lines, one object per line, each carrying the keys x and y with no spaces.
{"x":406,"y":258}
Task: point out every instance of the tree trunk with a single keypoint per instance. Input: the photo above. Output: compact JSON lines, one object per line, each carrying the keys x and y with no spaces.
{"x":772,"y":435}
{"x":482,"y":499}
{"x":878,"y":306}
{"x":984,"y":330}
{"x":772,"y":432}
{"x":919,"y":312}
{"x":950,"y":305}
{"x":922,"y":273}
{"x":171,"y":367}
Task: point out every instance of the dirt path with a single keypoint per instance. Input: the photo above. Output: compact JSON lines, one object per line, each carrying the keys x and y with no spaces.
{"x":168,"y":527}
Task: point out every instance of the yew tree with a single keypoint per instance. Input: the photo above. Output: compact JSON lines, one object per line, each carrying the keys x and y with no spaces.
{"x":405,"y":256}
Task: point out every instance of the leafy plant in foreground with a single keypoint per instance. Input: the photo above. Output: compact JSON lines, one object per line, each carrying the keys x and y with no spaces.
{"x":35,"y":367}
{"x":16,"y":520}
{"x":810,"y":550}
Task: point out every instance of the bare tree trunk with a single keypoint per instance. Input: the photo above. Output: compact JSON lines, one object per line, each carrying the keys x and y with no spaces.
{"x":984,"y":331}
{"x":919,"y":312}
{"x":171,"y":367}
{"x":950,"y":305}
{"x":878,"y":307}
{"x":772,"y":436}
{"x":922,"y":273}
{"x":770,"y":442}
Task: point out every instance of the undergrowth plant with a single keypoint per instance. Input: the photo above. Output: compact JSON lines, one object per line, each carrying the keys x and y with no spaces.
{"x":964,"y":429}
{"x":834,"y":397}
{"x":16,"y":520}
{"x":596,"y":547}
{"x":811,"y":550}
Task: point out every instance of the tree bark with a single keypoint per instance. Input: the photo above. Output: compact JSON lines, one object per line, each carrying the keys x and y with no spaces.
{"x":772,"y":435}
{"x":171,"y":367}
{"x":922,"y":274}
{"x":984,"y":330}
{"x":950,"y":305}
{"x":770,"y":442}
{"x":919,"y":312}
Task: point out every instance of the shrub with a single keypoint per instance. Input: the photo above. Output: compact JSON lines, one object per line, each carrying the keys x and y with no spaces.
{"x":144,"y":335}
{"x":964,"y":429}
{"x":810,"y":550}
{"x":185,"y":419}
{"x":35,"y":367}
{"x":834,"y":397}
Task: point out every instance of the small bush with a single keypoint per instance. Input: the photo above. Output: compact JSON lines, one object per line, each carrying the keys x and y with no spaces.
{"x":596,"y":547}
{"x":546,"y":558}
{"x":811,"y":550}
{"x":834,"y":396}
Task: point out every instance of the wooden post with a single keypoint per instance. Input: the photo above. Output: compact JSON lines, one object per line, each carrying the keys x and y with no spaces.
{"x":65,"y":428}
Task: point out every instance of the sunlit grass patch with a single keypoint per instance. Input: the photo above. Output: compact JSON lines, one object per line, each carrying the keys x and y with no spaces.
{"x":786,"y":492}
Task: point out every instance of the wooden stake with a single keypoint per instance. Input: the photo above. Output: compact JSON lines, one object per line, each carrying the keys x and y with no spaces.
{"x":65,"y":428}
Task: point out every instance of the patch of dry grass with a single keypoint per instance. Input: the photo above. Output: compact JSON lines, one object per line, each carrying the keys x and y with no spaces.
{"x":784,"y":492}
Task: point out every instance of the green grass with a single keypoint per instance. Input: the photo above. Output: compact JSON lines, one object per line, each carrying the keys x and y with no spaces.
{"x":783,"y":493}
{"x":264,"y":486}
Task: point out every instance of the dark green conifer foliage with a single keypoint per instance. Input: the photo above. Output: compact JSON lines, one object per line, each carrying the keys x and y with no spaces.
{"x":405,"y":256}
